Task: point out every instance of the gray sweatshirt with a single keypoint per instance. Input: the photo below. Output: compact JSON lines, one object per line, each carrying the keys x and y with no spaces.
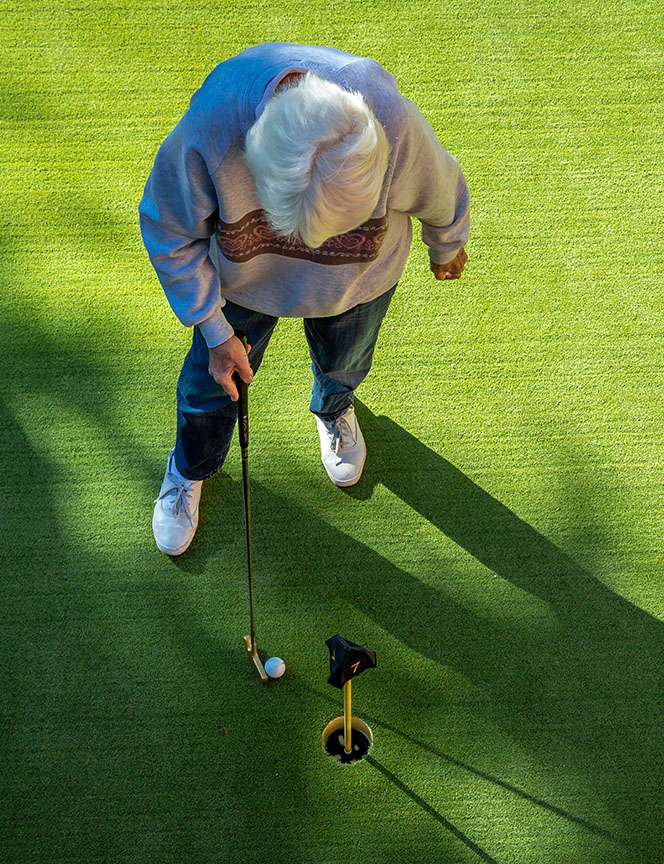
{"x":205,"y":232}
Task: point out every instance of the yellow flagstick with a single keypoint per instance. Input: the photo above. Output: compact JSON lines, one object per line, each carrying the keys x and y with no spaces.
{"x":347,"y":729}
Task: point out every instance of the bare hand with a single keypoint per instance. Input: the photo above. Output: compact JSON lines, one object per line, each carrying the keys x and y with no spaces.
{"x":225,"y":360}
{"x":452,"y":269}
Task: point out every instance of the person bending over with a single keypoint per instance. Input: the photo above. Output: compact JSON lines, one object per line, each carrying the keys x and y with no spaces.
{"x":287,"y":189}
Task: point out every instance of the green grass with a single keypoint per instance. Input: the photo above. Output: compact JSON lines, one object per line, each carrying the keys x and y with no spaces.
{"x":502,"y":553}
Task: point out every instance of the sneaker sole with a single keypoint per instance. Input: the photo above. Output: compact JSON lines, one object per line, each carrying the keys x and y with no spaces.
{"x":345,"y":483}
{"x":173,"y":553}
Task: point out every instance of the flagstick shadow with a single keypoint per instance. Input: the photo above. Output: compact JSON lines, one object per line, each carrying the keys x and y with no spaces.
{"x":509,"y":787}
{"x":371,"y":760}
{"x":430,"y":810}
{"x":375,"y":722}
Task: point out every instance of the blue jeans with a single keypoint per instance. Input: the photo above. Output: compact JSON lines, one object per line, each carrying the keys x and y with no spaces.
{"x":341,"y":349}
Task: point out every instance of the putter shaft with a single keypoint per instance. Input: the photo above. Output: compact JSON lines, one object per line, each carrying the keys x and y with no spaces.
{"x":247,"y":522}
{"x":243,"y":431}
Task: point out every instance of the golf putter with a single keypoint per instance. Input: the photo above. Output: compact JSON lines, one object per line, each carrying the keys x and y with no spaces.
{"x":243,"y":431}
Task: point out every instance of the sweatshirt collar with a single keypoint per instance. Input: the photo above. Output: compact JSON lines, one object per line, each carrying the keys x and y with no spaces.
{"x":272,"y":86}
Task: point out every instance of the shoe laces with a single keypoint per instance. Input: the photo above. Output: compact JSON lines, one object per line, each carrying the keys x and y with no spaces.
{"x":341,"y":434}
{"x":181,"y":503}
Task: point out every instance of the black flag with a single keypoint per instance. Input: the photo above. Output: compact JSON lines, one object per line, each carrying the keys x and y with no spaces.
{"x":347,"y":660}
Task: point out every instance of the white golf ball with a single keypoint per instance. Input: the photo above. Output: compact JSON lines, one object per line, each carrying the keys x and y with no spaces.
{"x":275,"y":667}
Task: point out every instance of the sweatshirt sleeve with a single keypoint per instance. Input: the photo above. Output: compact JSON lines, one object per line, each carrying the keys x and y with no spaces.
{"x":177,"y":218}
{"x":428,"y":184}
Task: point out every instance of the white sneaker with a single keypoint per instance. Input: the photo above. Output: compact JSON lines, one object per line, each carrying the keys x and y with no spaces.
{"x":342,"y":448}
{"x":175,"y":517}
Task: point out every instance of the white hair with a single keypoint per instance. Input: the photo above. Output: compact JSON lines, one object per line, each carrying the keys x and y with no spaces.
{"x":318,"y":156}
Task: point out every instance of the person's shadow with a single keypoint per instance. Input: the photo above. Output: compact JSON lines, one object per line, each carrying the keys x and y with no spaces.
{"x":587,"y":670}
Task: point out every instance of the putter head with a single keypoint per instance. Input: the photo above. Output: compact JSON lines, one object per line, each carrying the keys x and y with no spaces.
{"x":255,"y":660}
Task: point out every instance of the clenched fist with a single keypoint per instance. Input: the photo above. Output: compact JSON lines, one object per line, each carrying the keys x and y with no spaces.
{"x":452,"y":269}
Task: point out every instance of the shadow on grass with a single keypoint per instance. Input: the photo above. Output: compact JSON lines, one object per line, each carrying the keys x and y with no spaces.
{"x":430,"y":810}
{"x":582,"y":683}
{"x":512,"y":549}
{"x":590,"y":682}
{"x":496,"y":781}
{"x":377,"y":722}
{"x":596,"y":681}
{"x":121,"y":710}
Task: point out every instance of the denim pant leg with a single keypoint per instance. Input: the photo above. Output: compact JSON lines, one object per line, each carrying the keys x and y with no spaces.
{"x":206,"y":415}
{"x":341,"y":349}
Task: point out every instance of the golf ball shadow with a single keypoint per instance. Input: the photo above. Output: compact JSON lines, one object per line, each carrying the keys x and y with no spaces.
{"x":333,"y":740}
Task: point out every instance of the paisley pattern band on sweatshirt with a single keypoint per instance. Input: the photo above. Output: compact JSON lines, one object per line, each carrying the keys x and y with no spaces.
{"x":252,"y":236}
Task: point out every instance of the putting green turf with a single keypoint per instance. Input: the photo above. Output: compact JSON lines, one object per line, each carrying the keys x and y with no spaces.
{"x":502,"y":553}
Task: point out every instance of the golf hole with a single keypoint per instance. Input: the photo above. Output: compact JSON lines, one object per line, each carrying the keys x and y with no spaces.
{"x":333,"y":740}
